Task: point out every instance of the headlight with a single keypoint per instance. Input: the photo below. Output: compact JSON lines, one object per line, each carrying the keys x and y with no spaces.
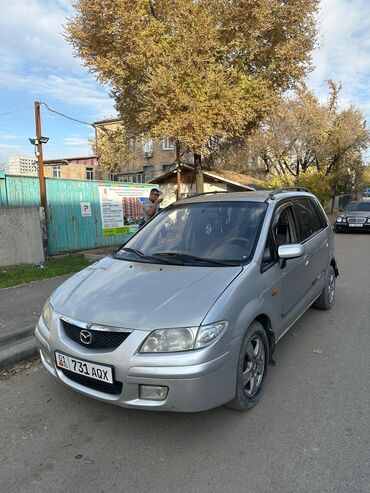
{"x":339,"y":219}
{"x":184,"y":339}
{"x":208,"y":333}
{"x":368,"y":219}
{"x":47,"y":314}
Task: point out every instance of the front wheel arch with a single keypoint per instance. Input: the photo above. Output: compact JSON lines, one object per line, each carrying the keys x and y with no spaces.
{"x":335,"y":267}
{"x":264,"y":320}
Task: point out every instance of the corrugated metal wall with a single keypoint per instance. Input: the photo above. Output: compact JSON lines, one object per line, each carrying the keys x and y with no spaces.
{"x":22,"y":191}
{"x":68,"y":230}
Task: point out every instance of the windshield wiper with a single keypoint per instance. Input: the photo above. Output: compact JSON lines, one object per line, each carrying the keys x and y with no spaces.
{"x":192,"y":258}
{"x":142,"y":255}
{"x":133,"y":250}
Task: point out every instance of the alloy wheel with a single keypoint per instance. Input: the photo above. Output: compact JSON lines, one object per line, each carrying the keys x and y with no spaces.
{"x":253,"y":365}
{"x":331,"y":287}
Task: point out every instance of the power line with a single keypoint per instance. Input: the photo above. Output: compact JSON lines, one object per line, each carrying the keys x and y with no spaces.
{"x":15,"y":111}
{"x":66,"y":116}
{"x":57,"y":113}
{"x":102,"y":127}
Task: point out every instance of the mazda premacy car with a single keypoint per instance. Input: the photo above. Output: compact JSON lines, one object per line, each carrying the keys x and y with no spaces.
{"x":186,"y":314}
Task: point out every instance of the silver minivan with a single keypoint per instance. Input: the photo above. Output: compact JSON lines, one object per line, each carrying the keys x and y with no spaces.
{"x":186,"y":314}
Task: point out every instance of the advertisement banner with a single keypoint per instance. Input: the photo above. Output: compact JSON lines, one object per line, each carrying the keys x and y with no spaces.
{"x":121,"y":206}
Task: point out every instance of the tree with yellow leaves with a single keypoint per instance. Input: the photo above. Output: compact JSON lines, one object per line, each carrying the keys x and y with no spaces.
{"x":313,"y":143}
{"x":111,"y":148}
{"x":194,"y":69}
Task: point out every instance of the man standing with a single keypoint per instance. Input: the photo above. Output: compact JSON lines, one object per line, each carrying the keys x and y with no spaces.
{"x":151,"y":205}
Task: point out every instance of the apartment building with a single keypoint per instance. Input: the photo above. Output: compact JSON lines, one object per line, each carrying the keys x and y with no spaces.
{"x":74,"y":168}
{"x":22,"y":165}
{"x":148,"y":157}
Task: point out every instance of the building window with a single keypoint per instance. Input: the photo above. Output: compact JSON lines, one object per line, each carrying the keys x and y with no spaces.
{"x":56,"y":171}
{"x":138,"y":178}
{"x":168,"y":167}
{"x":89,"y":173}
{"x":167,"y":144}
{"x":131,"y":178}
{"x":214,"y":142}
{"x":132,"y":144}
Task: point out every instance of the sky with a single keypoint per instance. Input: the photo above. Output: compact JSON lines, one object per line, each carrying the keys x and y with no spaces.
{"x":37,"y":63}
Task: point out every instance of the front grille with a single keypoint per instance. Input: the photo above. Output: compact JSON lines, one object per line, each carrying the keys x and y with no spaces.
{"x":100,"y":339}
{"x":114,"y":388}
{"x":356,"y":220}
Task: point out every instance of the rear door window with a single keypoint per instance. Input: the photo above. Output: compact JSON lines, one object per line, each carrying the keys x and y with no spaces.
{"x":307,"y":218}
{"x":322,"y":218}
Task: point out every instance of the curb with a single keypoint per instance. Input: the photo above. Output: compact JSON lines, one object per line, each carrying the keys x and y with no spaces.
{"x":17,"y":347}
{"x":16,"y":335}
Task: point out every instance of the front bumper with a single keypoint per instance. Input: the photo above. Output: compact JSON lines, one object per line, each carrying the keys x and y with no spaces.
{"x":196,"y":380}
{"x":361,"y":228}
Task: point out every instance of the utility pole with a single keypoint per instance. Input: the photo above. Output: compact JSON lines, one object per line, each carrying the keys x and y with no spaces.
{"x":38,"y":142}
{"x":39,"y":155}
{"x":178,"y":172}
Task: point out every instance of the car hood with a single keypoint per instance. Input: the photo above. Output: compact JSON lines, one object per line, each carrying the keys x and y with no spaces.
{"x":144,"y":296}
{"x":356,"y":214}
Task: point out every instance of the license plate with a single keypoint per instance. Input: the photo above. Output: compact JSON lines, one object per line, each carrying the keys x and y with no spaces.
{"x":356,"y":225}
{"x":92,"y":370}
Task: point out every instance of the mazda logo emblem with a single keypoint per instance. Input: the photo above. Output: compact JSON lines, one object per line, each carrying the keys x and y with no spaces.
{"x":86,"y":337}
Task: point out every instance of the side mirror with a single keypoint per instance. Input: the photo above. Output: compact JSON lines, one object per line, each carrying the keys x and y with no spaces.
{"x":286,"y":252}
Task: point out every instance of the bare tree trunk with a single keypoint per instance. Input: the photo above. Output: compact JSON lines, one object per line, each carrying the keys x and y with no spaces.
{"x":199,"y":182}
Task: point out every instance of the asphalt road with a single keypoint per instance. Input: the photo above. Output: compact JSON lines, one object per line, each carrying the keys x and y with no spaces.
{"x":309,"y":433}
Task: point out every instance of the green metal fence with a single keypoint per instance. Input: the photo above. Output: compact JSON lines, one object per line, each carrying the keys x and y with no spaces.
{"x":68,"y":230}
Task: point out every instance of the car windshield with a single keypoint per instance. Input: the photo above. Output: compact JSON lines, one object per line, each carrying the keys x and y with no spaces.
{"x":220,"y":233}
{"x":358,"y":206}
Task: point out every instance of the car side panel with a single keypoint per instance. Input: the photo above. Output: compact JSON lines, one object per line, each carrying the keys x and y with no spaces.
{"x":317,"y":250}
{"x":251,"y":294}
{"x":296,"y":289}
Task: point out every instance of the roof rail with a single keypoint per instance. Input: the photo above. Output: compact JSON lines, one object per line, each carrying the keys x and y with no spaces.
{"x":204,"y":193}
{"x":272,"y":194}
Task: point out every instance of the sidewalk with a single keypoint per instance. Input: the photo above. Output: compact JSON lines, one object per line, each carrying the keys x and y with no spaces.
{"x":20,"y":308}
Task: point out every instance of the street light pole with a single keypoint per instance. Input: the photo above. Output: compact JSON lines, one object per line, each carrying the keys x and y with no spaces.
{"x":40,"y":156}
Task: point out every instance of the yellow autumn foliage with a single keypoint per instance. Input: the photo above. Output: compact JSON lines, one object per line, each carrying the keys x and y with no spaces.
{"x":191,"y":69}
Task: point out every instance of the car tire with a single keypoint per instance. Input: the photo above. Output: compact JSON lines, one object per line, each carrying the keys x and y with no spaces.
{"x":326,"y":300}
{"x":252,"y":368}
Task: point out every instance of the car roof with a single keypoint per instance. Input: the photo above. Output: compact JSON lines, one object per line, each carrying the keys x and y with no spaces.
{"x":257,"y":196}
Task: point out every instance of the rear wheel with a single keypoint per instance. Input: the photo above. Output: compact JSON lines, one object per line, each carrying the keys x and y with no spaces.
{"x":252,"y":367}
{"x":326,"y":300}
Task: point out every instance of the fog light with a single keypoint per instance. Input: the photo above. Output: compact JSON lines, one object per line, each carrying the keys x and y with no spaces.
{"x":46,"y":357}
{"x":153,"y":393}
